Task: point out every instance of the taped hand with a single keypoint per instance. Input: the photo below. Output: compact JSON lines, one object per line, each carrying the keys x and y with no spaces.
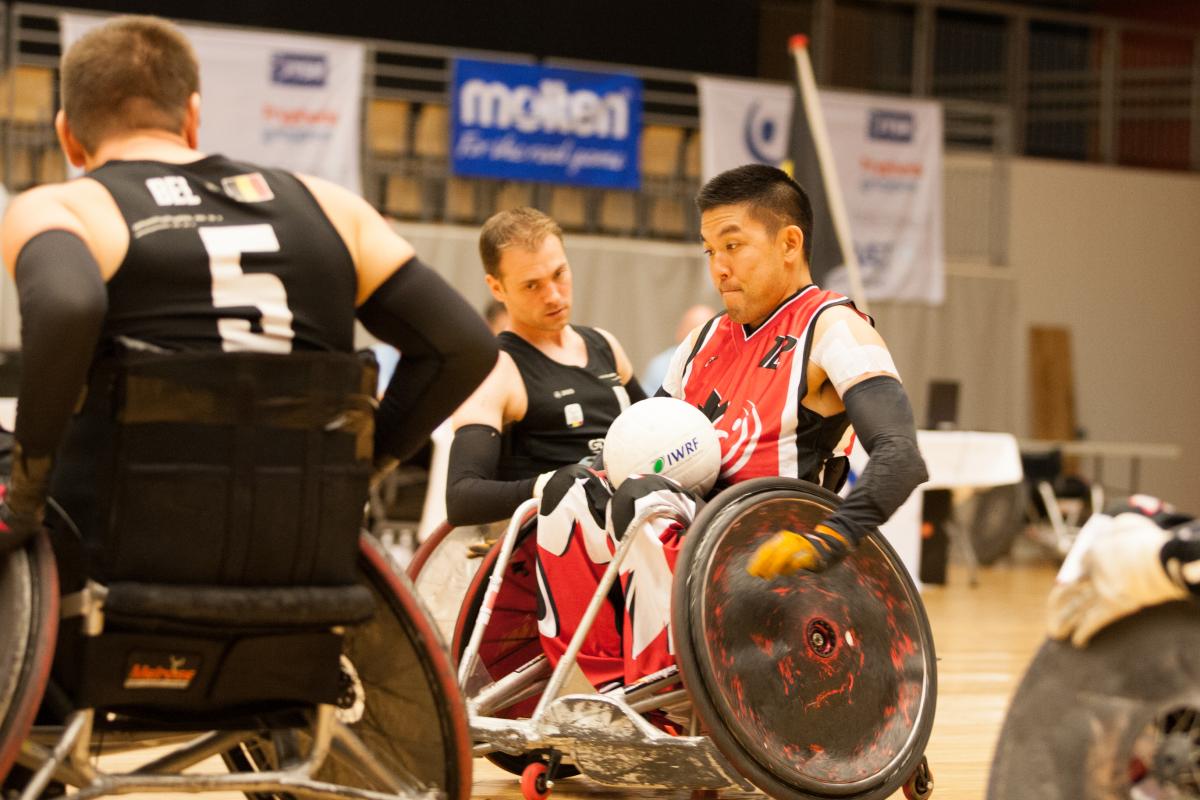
{"x":1122,"y":573}
{"x":787,"y":551}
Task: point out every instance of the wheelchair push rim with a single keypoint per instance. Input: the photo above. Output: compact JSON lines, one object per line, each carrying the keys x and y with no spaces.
{"x":400,"y":695}
{"x":30,"y":604}
{"x":812,"y":685}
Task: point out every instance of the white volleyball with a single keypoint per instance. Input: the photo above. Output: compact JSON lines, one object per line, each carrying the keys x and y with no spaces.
{"x":663,"y":436}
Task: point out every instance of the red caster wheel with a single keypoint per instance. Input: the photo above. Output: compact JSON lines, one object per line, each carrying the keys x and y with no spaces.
{"x":534,"y":783}
{"x":919,"y":785}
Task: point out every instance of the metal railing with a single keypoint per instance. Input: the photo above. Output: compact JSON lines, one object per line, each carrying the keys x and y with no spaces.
{"x":1012,"y":80}
{"x":1077,"y":86}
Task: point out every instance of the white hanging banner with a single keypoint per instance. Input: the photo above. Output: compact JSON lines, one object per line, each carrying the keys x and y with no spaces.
{"x":274,"y":99}
{"x":742,"y":122}
{"x":888,"y":155}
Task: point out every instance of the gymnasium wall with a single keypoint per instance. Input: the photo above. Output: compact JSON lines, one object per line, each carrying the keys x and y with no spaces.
{"x":1113,"y":255}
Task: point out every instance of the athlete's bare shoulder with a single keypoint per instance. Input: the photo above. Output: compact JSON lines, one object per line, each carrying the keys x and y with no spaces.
{"x":499,"y":400}
{"x":852,"y":319}
{"x":624,"y":365}
{"x":375,"y":247}
{"x":81,"y":206}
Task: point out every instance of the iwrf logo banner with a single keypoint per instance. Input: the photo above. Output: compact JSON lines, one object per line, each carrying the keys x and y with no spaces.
{"x":887,"y":153}
{"x":274,"y":99}
{"x":530,"y":123}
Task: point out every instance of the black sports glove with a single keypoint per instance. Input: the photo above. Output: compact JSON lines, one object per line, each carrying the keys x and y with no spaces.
{"x":23,"y":499}
{"x":15,"y":528}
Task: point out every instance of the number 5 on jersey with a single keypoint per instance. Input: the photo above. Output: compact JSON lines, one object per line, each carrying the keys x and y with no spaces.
{"x":233,"y":288}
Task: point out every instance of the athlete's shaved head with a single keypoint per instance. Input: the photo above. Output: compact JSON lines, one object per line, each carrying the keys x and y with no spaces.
{"x":522,"y":227}
{"x":131,"y":73}
{"x":770,"y":195}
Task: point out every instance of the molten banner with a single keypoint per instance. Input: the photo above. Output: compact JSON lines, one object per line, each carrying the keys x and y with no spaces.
{"x":522,"y":122}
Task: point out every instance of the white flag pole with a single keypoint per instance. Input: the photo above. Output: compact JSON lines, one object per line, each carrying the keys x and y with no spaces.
{"x":798,"y":44}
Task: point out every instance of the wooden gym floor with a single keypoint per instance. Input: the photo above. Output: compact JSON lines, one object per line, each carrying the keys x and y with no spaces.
{"x":985,"y":637}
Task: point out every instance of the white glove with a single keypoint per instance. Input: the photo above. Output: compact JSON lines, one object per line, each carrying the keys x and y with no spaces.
{"x":1121,"y":573}
{"x":540,"y":484}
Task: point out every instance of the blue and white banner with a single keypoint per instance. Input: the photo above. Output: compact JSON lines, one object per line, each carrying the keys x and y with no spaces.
{"x":275,"y":99}
{"x":742,"y":122}
{"x":530,"y":123}
{"x":888,"y":155}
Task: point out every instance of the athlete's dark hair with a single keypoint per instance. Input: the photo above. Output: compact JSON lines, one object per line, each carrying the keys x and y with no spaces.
{"x":518,"y":227}
{"x":774,"y":199}
{"x":128,"y":74}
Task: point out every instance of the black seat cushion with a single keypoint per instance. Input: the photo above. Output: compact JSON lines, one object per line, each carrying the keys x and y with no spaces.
{"x":237,"y":608}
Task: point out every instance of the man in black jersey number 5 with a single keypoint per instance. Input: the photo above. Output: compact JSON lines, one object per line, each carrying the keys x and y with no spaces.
{"x":555,"y":389}
{"x":159,"y":247}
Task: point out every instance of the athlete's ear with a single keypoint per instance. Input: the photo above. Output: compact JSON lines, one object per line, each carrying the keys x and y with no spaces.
{"x":191,"y":121}
{"x":496,"y":287}
{"x":71,"y":147}
{"x":791,"y":240}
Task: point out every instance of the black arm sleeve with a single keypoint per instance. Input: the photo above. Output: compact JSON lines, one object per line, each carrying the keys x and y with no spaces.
{"x":473,"y":495}
{"x":635,"y":390}
{"x":883,"y":420}
{"x":63,"y":302}
{"x":446,"y":350}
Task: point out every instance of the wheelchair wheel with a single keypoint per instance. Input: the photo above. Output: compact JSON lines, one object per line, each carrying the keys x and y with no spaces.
{"x":998,"y":521}
{"x":511,"y":639}
{"x":812,"y":685}
{"x":442,"y":569}
{"x":401,"y":697}
{"x":1117,"y":719}
{"x":29,"y":610}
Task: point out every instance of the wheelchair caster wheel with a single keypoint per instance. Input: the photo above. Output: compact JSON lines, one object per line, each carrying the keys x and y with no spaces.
{"x":919,"y":785}
{"x":535,"y":785}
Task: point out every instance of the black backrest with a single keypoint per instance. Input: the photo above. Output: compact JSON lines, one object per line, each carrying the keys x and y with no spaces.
{"x":225,"y":469}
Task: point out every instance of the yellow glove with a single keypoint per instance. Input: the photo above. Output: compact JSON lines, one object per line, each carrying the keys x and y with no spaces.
{"x":788,"y":551}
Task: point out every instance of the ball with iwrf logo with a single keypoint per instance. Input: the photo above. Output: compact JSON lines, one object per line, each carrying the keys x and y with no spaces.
{"x":663,"y":436}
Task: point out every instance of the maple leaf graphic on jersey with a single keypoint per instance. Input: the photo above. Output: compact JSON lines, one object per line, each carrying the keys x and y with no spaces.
{"x":713,"y":408}
{"x":645,"y":570}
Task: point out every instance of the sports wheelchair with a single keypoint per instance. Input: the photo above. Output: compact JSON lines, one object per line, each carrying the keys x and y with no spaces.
{"x":203,"y":586}
{"x":804,"y":687}
{"x":1117,"y":719}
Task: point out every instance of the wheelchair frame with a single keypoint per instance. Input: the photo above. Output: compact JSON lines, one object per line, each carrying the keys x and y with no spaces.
{"x":64,"y":752}
{"x":604,"y":735}
{"x":608,"y":738}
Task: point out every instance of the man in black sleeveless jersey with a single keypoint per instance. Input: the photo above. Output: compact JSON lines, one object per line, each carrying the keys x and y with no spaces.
{"x":555,"y":388}
{"x":161,"y":247}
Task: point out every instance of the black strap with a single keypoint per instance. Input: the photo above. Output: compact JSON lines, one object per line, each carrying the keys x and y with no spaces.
{"x":700,"y":340}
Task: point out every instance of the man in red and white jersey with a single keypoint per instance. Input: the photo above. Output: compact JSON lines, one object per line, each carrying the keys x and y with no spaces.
{"x":783,"y":372}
